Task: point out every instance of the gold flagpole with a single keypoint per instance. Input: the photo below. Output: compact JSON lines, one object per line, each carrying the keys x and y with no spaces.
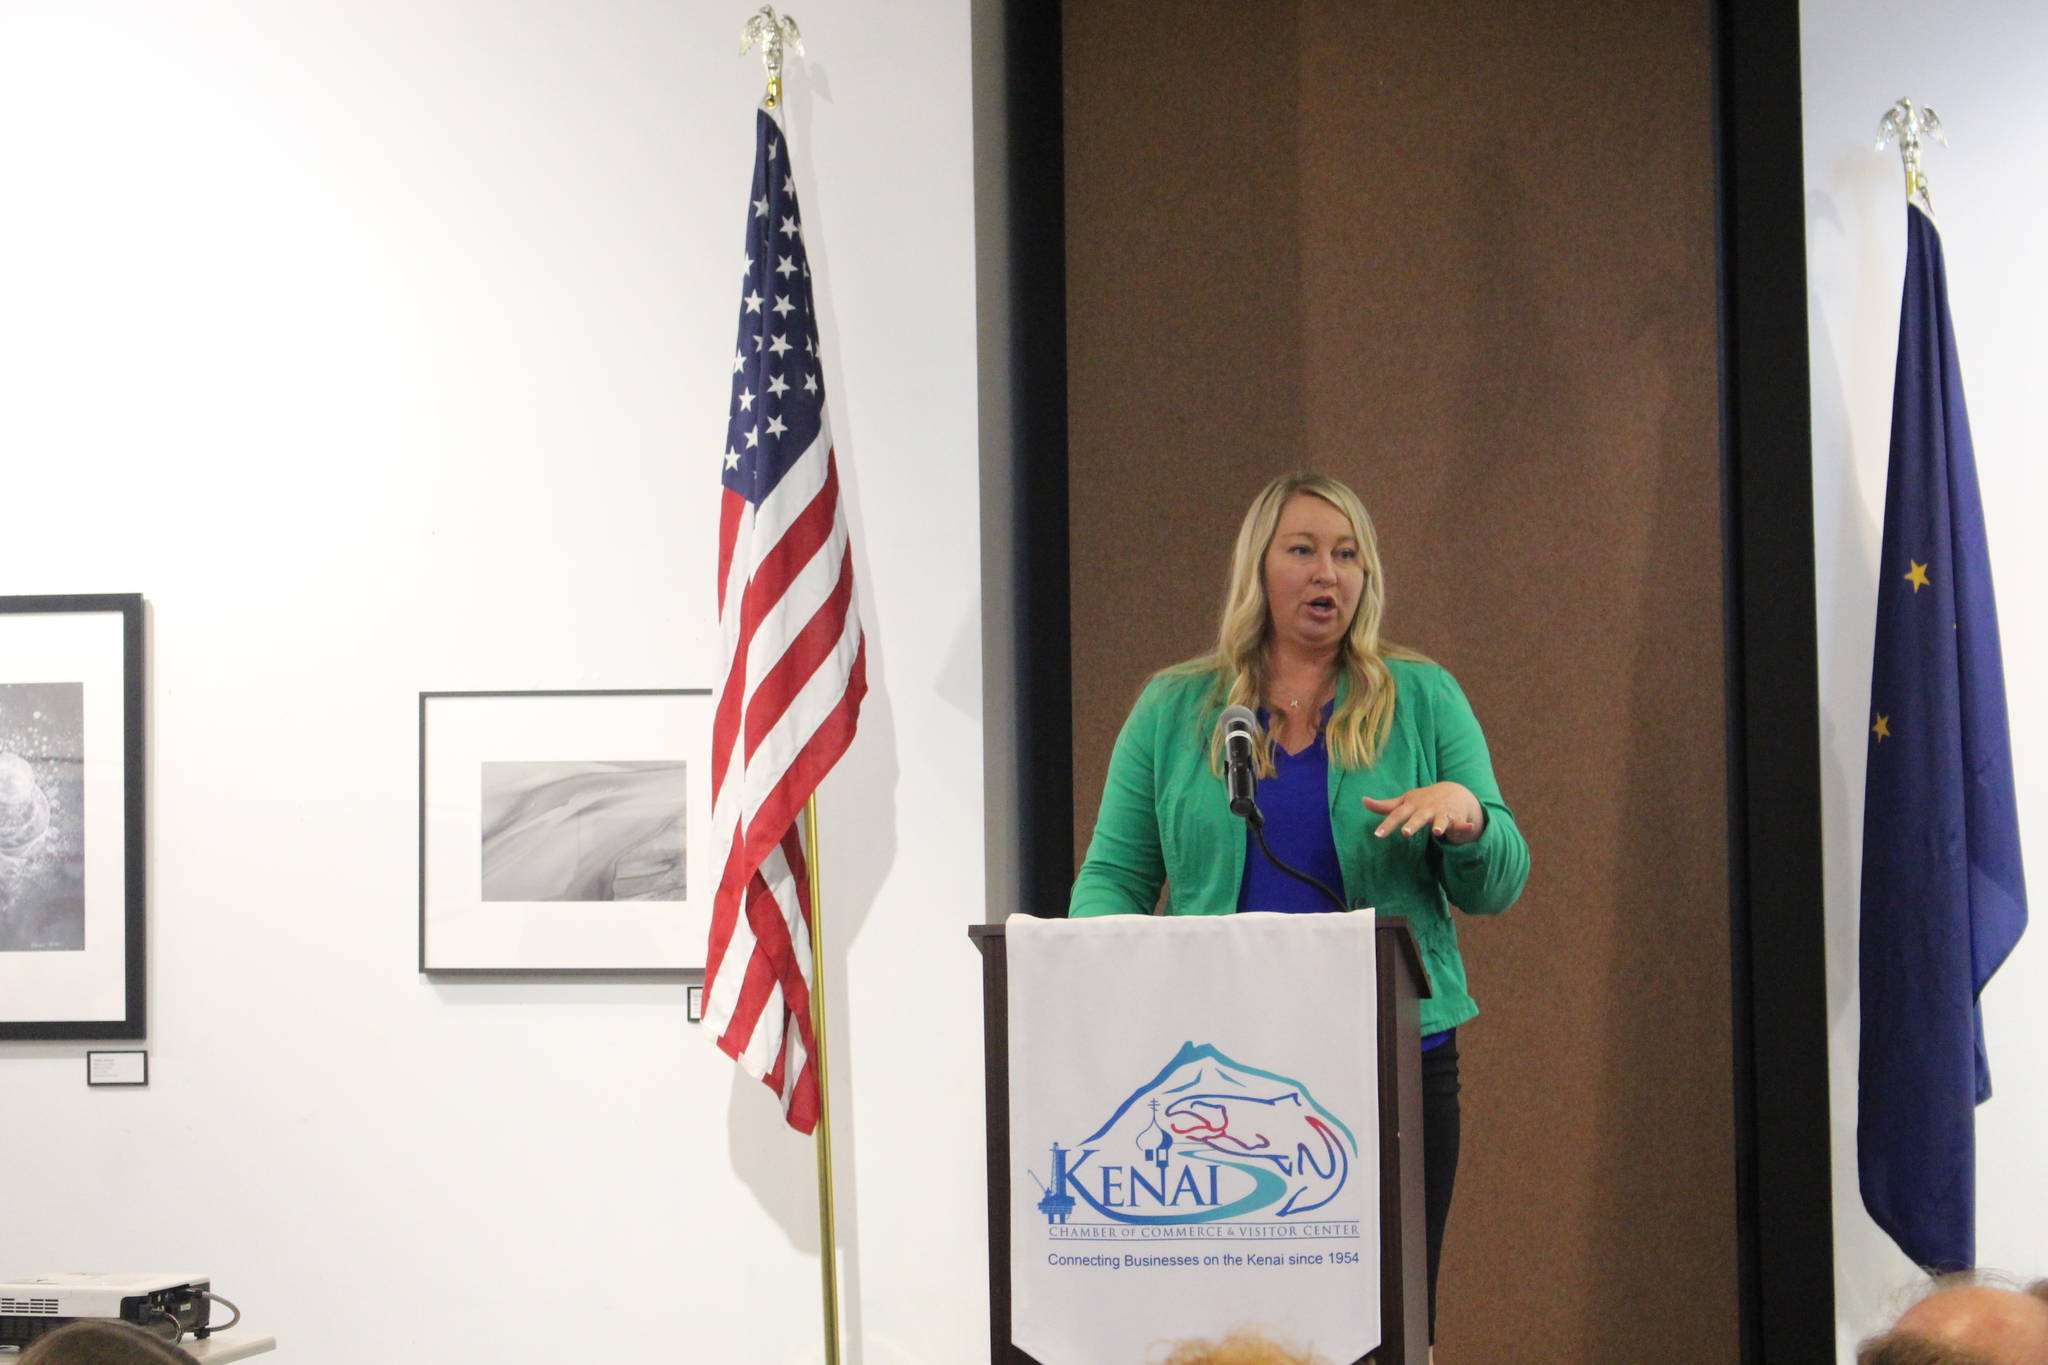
{"x":771,"y":31}
{"x":828,"y":1236}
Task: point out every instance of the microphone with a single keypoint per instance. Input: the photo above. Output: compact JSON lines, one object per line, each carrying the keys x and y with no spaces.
{"x":1238,"y":726}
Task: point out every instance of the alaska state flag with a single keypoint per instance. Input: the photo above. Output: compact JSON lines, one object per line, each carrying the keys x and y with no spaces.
{"x":1943,"y":897}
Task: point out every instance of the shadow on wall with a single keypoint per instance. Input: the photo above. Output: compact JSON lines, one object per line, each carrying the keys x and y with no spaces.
{"x":778,"y":1165}
{"x":1848,"y":633}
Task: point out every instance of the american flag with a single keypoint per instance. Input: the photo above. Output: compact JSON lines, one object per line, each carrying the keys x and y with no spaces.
{"x":795,"y":662}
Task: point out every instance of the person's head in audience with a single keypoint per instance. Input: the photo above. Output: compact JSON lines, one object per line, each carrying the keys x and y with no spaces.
{"x":102,"y":1343}
{"x":1241,"y":1347}
{"x":1967,"y":1320}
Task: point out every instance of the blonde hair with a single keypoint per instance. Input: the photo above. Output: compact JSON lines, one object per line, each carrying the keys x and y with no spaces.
{"x":1241,"y":1347}
{"x":1362,"y":721}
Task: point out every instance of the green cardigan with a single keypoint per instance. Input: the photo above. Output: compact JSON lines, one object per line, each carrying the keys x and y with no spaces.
{"x":1165,"y":818}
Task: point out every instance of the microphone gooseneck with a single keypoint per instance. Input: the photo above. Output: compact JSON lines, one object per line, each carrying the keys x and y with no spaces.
{"x":1336,"y":901}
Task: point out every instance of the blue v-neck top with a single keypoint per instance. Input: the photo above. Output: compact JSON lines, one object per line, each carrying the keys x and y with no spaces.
{"x":1296,"y":804}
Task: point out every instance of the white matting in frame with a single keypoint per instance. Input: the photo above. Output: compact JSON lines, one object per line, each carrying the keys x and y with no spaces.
{"x":565,"y":831}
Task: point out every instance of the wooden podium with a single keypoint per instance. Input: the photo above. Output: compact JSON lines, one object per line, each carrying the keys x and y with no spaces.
{"x":1404,"y":1268}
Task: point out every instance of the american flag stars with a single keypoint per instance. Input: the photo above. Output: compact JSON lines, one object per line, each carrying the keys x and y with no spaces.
{"x":776,"y":406}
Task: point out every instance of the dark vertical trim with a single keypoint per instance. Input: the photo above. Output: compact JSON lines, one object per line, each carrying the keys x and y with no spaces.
{"x":1777,"y":935}
{"x":135,"y":813}
{"x":995,"y":1043}
{"x":1038,"y":255}
{"x":1402,"y":982}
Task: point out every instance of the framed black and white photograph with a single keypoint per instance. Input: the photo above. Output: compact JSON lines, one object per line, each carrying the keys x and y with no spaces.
{"x":565,"y":831}
{"x":71,"y":864}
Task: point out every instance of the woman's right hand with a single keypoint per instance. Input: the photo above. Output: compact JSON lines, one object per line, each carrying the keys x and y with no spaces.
{"x":1449,"y":809}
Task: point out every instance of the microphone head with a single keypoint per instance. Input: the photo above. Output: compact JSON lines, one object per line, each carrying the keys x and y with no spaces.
{"x":1237,"y":727}
{"x":1238,"y":720}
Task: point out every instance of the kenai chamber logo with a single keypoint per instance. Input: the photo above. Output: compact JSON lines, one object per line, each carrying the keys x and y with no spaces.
{"x":1206,"y":1139}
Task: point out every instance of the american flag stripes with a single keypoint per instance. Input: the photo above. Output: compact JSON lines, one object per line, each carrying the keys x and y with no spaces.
{"x":795,"y":661}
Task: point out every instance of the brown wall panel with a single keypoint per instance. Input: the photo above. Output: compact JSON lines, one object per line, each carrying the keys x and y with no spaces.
{"x":1184,"y":253}
{"x":1463,"y":257}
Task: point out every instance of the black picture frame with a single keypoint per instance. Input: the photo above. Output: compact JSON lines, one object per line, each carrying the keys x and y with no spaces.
{"x":52,"y":988}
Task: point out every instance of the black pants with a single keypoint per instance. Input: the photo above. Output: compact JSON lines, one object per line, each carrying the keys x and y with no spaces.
{"x":1439,"y":1152}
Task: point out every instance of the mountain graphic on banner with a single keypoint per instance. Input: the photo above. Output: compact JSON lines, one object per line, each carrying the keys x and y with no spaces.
{"x":1206,"y":1139}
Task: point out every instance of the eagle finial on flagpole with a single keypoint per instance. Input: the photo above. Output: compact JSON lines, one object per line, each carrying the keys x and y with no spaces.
{"x":771,"y":31}
{"x":1905,"y":122}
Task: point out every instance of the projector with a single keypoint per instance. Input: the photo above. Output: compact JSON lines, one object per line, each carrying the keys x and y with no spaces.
{"x":168,"y":1305}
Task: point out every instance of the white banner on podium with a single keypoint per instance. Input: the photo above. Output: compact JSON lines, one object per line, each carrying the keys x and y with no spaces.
{"x":1194,"y":1137}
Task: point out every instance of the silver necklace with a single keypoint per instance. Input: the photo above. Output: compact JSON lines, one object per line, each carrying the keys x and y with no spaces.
{"x":1294,"y":703}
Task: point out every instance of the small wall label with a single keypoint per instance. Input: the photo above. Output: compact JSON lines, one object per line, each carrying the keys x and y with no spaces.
{"x":117,"y":1068}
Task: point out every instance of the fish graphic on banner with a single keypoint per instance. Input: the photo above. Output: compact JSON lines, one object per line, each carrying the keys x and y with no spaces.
{"x":1206,"y":1139}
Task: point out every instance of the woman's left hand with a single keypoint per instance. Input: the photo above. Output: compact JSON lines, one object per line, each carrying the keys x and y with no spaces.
{"x":1448,"y":809}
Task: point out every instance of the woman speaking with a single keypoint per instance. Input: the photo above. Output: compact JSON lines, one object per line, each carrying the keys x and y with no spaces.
{"x":1372,"y":775}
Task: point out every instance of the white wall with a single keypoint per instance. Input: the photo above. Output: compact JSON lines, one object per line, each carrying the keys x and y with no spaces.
{"x":1979,"y":63}
{"x":381,"y":344}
